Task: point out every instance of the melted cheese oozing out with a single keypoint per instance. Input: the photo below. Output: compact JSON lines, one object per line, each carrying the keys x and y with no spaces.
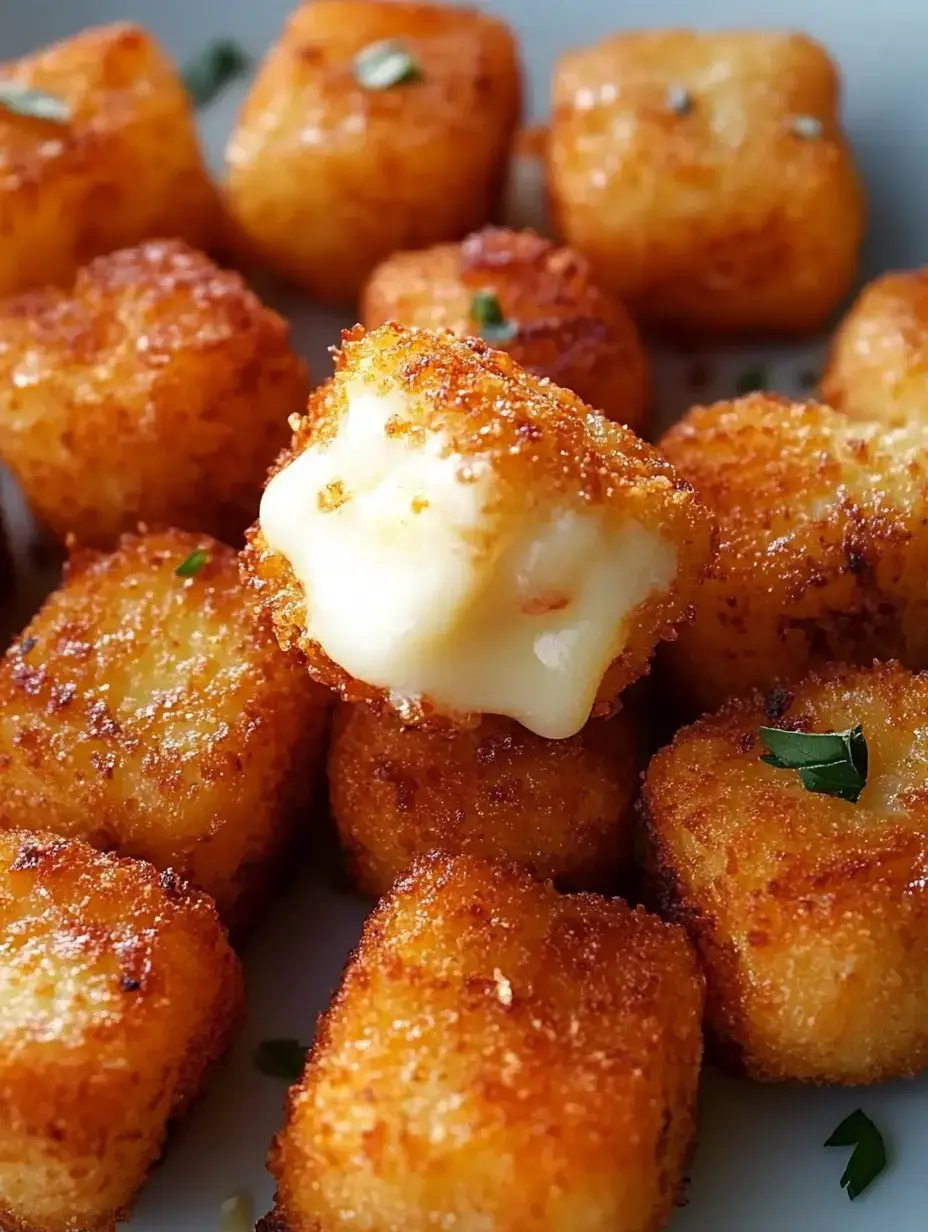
{"x":414,"y":585}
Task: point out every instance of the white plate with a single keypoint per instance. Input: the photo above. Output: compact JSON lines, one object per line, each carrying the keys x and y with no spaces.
{"x":760,"y":1166}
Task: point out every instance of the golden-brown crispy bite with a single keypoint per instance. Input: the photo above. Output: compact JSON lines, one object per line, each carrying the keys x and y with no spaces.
{"x":558,"y":807}
{"x":453,"y":536}
{"x":144,"y":711}
{"x":810,"y":911}
{"x":121,"y":164}
{"x":878,"y":365}
{"x":372,"y":126}
{"x":823,"y":544}
{"x":526,"y":296}
{"x":502,"y":1056}
{"x":707,"y":178}
{"x":156,"y":390}
{"x":119,"y":993}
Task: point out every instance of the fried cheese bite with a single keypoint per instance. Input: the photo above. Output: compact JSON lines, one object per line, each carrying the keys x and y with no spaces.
{"x":823,"y":544}
{"x":878,"y":365}
{"x":707,"y":179}
{"x":560,"y":808}
{"x":451,"y":536}
{"x":498,"y":1056}
{"x":144,"y":711}
{"x":524,"y":295}
{"x":120,"y":991}
{"x":810,"y":912}
{"x":118,"y":161}
{"x":156,"y":390}
{"x":372,"y":126}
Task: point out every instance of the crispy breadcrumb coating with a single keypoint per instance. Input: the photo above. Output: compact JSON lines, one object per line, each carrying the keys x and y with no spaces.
{"x":810,"y":913}
{"x":498,"y":1055}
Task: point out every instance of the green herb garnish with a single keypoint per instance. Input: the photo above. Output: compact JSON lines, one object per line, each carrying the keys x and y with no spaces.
{"x":808,"y":127}
{"x":679,"y":100}
{"x":829,"y":763}
{"x":193,"y":564}
{"x":210,"y":72}
{"x":22,"y":100}
{"x":750,"y":381}
{"x":281,"y":1058}
{"x":868,"y":1159}
{"x":237,"y":1214}
{"x":486,"y":313}
{"x":380,"y":66}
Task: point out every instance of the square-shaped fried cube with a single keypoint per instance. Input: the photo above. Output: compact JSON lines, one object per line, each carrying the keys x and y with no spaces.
{"x":453,"y":536}
{"x":823,"y":545}
{"x":118,"y":990}
{"x":498,"y":1056}
{"x":124,"y":165}
{"x":372,"y":126}
{"x":555,"y":320}
{"x":157,"y":389}
{"x":145,"y":712}
{"x":809,"y":909}
{"x":707,"y":178}
{"x":560,"y":808}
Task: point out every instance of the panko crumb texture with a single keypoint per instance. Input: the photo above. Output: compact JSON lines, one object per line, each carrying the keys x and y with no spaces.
{"x":541,"y":442}
{"x":157,"y":389}
{"x":151,"y":714}
{"x":125,"y":166}
{"x":327,"y":176}
{"x":566,"y":327}
{"x":119,"y":992}
{"x":823,"y":544}
{"x":560,"y":808}
{"x":810,"y":913}
{"x":706,"y":176}
{"x":498,"y":1055}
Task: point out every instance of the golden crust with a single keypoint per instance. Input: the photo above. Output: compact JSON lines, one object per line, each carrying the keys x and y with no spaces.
{"x":502,"y":1055}
{"x":823,"y":550}
{"x":560,"y":808}
{"x":567,"y":328}
{"x":168,"y":368}
{"x":810,"y":913}
{"x":386,"y":169}
{"x":717,"y":217}
{"x":120,"y":991}
{"x":127,"y":165}
{"x":147,"y":713}
{"x":540,"y":440}
{"x":879,"y":355}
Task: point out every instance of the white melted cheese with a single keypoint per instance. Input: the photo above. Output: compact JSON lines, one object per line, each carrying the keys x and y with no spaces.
{"x":415,"y":585}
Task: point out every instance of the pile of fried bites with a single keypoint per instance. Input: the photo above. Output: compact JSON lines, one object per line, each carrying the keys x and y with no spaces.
{"x":455,"y":575}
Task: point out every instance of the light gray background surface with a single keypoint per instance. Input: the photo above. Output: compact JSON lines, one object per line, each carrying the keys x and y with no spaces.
{"x":760,"y":1166}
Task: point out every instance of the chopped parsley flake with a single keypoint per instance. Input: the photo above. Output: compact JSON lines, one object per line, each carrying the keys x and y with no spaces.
{"x":22,"y":100}
{"x":487,"y":315}
{"x":193,"y":564}
{"x":868,"y":1158}
{"x":380,"y":66}
{"x":210,"y":72}
{"x":829,"y":763}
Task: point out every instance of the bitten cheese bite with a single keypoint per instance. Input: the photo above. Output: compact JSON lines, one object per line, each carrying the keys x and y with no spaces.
{"x":878,"y":365}
{"x":372,"y":126}
{"x":524,"y":295}
{"x":118,"y":161}
{"x":823,"y":544}
{"x":707,"y":179}
{"x":452,"y":536}
{"x":810,"y":911}
{"x":560,"y":808}
{"x":498,"y":1056}
{"x":157,"y":389}
{"x":119,"y":994}
{"x":144,"y":711}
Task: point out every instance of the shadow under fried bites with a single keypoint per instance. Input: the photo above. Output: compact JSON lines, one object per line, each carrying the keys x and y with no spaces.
{"x":291,"y":968}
